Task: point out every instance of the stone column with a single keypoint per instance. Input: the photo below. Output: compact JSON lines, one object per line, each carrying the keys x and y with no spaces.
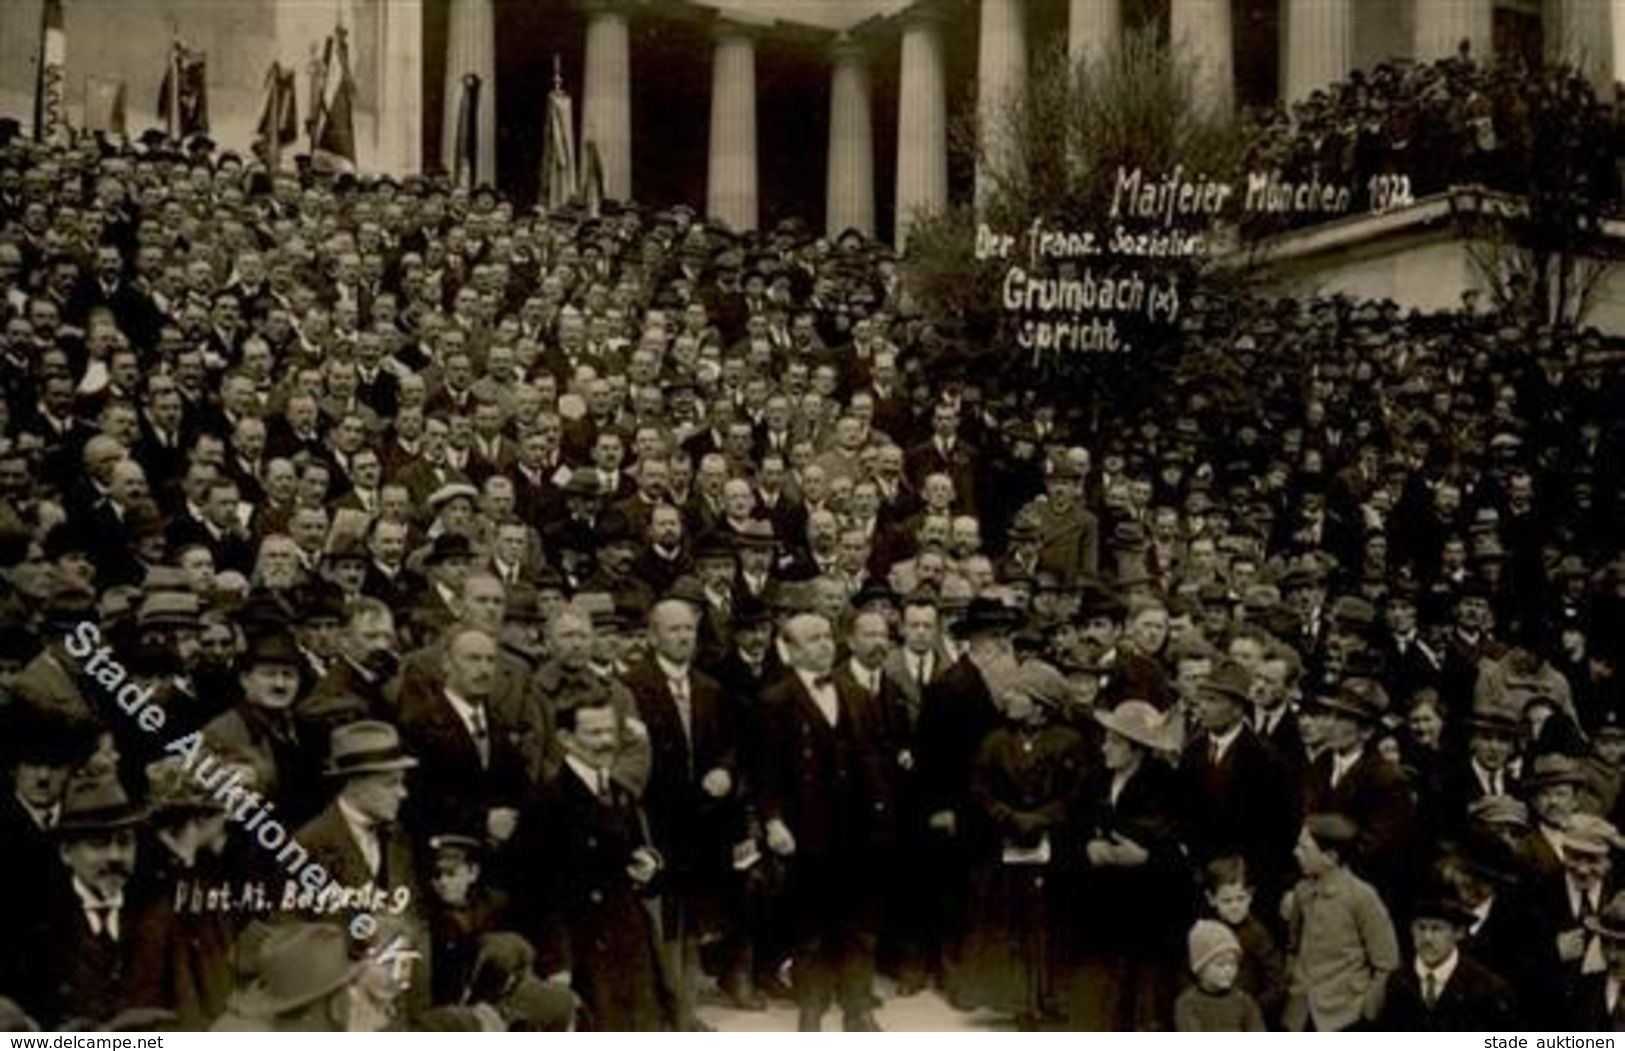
{"x":1441,"y":26}
{"x":731,"y":176}
{"x":851,"y":178}
{"x":1581,"y":33}
{"x":471,"y":47}
{"x":1319,"y":47}
{"x":1001,"y":86}
{"x":400,"y":94}
{"x":922,"y":122}
{"x":1205,"y":29}
{"x":606,"y":98}
{"x":1092,"y":26}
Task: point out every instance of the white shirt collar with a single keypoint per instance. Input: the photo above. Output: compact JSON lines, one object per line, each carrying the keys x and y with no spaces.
{"x":590,"y":775}
{"x":1441,"y":974}
{"x":670,"y":670}
{"x":1222,"y":742}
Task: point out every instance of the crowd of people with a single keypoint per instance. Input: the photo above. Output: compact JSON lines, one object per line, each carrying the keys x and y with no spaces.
{"x":1456,"y":121}
{"x":419,"y":613}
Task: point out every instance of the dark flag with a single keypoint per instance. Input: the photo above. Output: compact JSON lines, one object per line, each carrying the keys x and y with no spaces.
{"x":183,"y":101}
{"x":335,"y":128}
{"x":465,"y":149}
{"x":279,"y":121}
{"x":50,"y":94}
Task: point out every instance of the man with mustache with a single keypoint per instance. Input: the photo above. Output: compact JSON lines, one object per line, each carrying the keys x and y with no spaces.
{"x":83,"y":937}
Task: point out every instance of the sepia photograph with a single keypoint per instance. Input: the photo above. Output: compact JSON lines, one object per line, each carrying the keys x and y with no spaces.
{"x":907,"y":516}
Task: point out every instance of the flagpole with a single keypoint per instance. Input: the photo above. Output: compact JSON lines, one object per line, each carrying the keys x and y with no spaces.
{"x":273,"y":148}
{"x":175,"y":90}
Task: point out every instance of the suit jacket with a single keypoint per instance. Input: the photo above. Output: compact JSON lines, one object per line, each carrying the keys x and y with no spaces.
{"x":72,"y":972}
{"x":1474,"y":999}
{"x":691,"y":828}
{"x":459,"y":790}
{"x":956,"y":715}
{"x":1247,"y":804}
{"x":962,"y":464}
{"x":585,"y":913}
{"x":1375,"y":796}
{"x":827,"y":784}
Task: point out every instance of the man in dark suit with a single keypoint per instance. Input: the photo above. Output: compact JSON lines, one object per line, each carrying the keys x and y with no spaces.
{"x":1486,"y":771}
{"x":957,"y":712}
{"x":358,"y":841}
{"x":1598,"y":1003}
{"x":81,"y":938}
{"x":946,"y":453}
{"x":1445,"y":990}
{"x":1351,"y":778}
{"x":824,"y":805}
{"x":692,"y":798}
{"x":591,"y":869}
{"x":476,"y":744}
{"x":1241,"y":798}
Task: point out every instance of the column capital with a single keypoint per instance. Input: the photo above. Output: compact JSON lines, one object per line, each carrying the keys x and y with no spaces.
{"x":846,"y":48}
{"x":922,"y":12}
{"x":736,"y":27}
{"x":607,"y":7}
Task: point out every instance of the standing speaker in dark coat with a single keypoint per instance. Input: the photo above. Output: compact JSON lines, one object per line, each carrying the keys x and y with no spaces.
{"x":824,"y":801}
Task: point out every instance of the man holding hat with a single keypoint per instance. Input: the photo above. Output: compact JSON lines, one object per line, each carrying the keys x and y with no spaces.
{"x":1492,"y":737}
{"x":1445,"y":990}
{"x":1598,"y":1005}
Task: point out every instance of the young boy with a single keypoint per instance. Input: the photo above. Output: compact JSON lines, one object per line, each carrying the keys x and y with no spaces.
{"x":462,"y":911}
{"x":1342,"y":938}
{"x":1214,"y":1004}
{"x":1262,"y":974}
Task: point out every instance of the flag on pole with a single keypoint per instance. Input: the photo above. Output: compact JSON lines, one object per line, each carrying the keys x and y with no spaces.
{"x":319,"y":67}
{"x":104,"y":105}
{"x":334,"y":133}
{"x":183,"y":101}
{"x":50,"y":97}
{"x":279,"y":121}
{"x":559,"y":179}
{"x":466,"y":147}
{"x":592,"y":180}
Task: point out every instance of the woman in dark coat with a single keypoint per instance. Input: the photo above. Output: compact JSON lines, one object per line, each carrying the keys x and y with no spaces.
{"x":1026,"y":783}
{"x":1134,"y":899}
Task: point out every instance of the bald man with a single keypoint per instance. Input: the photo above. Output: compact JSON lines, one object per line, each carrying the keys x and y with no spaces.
{"x":693,"y":798}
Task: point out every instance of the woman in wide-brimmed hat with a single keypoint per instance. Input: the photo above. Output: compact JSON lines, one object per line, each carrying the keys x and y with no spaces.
{"x":1133,"y":900}
{"x":1026,"y":781}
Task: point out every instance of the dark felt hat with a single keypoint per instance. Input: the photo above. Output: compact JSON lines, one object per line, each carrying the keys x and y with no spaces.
{"x":986,"y":616}
{"x":96,"y":805}
{"x":448,"y":546}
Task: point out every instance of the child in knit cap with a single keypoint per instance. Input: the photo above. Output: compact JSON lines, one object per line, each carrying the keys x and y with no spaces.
{"x":1214,"y":1004}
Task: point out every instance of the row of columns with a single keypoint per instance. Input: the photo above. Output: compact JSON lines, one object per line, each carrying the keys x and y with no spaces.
{"x":1318,"y":48}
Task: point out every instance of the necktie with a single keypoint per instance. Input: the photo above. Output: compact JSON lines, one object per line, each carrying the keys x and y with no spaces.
{"x":1214,"y":752}
{"x":919,"y":669}
{"x":104,"y":921}
{"x":679,"y":695}
{"x":603,"y":784}
{"x":478,"y":730}
{"x":1430,"y":989}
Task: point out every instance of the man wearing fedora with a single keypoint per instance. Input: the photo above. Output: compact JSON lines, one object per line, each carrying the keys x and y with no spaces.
{"x":1353,"y":779}
{"x":261,"y":727}
{"x":81,"y":939}
{"x":1552,"y":784}
{"x":1445,"y":989}
{"x":1599,"y":1003}
{"x":1241,"y":799}
{"x":448,"y":562}
{"x":1563,"y":911}
{"x":1486,"y":771}
{"x":306,"y":976}
{"x":358,"y":840}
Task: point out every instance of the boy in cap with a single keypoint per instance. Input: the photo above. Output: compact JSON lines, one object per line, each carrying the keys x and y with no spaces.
{"x":1343,"y":945}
